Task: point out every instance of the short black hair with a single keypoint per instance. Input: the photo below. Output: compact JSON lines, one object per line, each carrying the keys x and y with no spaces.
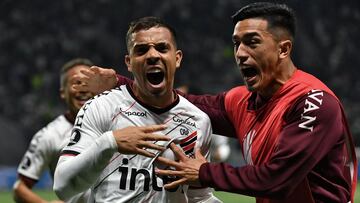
{"x":69,"y":65}
{"x":277,"y":15}
{"x":146,"y":23}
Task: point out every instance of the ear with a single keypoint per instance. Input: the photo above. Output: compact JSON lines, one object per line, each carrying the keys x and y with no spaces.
{"x":285,"y":47}
{"x":127,"y":62}
{"x":178,"y":56}
{"x":62,"y":93}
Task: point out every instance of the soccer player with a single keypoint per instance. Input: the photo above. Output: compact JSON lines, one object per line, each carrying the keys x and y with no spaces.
{"x":46,"y":145}
{"x":95,"y":157}
{"x":292,"y":128}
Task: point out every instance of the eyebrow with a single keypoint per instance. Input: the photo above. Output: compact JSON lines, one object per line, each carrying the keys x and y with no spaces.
{"x":147,"y":44}
{"x":246,"y":35}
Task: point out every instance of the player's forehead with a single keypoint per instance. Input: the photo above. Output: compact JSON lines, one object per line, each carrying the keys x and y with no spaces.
{"x":251,"y":26}
{"x":154,"y":35}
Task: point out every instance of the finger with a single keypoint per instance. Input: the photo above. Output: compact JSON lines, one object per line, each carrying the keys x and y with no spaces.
{"x":79,"y":88}
{"x":95,"y":69}
{"x":153,"y":128}
{"x":175,"y":183}
{"x":154,"y":137}
{"x":178,"y":152}
{"x":198,"y":154}
{"x":169,"y":162}
{"x":80,"y":77}
{"x":163,"y":172}
{"x":145,"y":153}
{"x":87,"y":72}
{"x":150,"y":145}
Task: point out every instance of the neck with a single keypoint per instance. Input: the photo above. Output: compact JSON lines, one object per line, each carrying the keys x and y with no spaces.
{"x":160,"y":100}
{"x":284,"y":73}
{"x":70,"y":117}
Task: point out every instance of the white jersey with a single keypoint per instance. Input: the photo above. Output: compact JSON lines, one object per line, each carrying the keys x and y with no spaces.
{"x":129,"y":178}
{"x":44,"y":150}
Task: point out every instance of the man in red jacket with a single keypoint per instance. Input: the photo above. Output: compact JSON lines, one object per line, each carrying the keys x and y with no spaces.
{"x":292,"y":128}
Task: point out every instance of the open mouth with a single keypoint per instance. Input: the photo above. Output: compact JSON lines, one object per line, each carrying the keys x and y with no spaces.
{"x":249,"y":72}
{"x":155,"y":77}
{"x":82,"y":98}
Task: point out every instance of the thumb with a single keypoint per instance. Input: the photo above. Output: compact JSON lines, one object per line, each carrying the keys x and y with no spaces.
{"x":198,"y":154}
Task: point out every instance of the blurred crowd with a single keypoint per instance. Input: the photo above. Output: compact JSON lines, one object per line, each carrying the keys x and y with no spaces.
{"x":37,"y":37}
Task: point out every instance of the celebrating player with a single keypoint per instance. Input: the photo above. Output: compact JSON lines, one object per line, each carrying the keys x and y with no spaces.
{"x":45,"y":147}
{"x":292,"y":128}
{"x":104,"y":151}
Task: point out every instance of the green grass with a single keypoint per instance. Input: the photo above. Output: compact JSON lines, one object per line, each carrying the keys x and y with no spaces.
{"x":6,"y":196}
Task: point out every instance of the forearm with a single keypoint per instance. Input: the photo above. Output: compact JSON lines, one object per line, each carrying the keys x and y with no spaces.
{"x":297,"y":153}
{"x":22,"y":193}
{"x":75,"y":174}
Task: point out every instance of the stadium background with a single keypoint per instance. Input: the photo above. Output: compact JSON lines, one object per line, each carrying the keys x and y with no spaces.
{"x":38,"y":36}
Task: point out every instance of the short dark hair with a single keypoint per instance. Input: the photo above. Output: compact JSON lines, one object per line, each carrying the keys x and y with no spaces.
{"x":277,"y":15}
{"x":146,"y":23}
{"x":69,"y":65}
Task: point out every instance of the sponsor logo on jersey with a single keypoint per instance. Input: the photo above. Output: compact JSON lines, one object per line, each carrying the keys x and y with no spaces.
{"x":312,"y":103}
{"x":133,"y":113}
{"x":128,"y":113}
{"x":178,"y":119}
{"x":133,"y":175}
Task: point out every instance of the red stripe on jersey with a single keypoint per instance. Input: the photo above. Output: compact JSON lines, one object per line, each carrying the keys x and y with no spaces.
{"x":190,"y":146}
{"x":188,"y":137}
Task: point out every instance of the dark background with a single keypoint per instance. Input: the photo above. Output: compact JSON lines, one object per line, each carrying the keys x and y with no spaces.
{"x":38,"y":36}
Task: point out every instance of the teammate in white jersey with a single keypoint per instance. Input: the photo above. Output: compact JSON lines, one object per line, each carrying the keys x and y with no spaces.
{"x":96,"y":158}
{"x":45,"y":147}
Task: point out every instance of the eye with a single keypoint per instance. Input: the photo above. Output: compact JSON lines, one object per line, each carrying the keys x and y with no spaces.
{"x":140,"y":50}
{"x":251,"y":42}
{"x":162,"y":47}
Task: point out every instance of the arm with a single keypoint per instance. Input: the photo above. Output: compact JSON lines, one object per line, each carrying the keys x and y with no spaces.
{"x":34,"y":162}
{"x":214,"y":107}
{"x":291,"y":162}
{"x":23,"y":192}
{"x":92,"y":146}
{"x":288,"y":165}
{"x":99,"y":79}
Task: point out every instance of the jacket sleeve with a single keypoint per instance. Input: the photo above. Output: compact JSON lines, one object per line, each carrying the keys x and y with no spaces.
{"x":298,"y":151}
{"x":214,"y":107}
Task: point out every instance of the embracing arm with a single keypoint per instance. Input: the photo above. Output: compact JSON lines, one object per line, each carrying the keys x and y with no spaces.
{"x":298,"y":151}
{"x":98,"y":79}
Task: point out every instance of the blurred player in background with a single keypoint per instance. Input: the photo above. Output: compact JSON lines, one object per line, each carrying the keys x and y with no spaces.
{"x":45,"y":147}
{"x":109,"y":151}
{"x":292,"y":128}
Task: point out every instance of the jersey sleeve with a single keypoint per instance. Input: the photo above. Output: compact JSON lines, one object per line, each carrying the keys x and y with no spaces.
{"x":214,"y":107}
{"x":302,"y":144}
{"x":37,"y":156}
{"x":87,"y":153}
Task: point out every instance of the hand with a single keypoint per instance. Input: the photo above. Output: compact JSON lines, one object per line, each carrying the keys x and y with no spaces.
{"x":134,"y":140}
{"x":96,"y":80}
{"x":187,"y":169}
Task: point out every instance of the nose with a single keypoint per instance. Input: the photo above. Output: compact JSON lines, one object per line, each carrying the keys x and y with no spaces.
{"x":152,"y":56}
{"x":241,"y":54}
